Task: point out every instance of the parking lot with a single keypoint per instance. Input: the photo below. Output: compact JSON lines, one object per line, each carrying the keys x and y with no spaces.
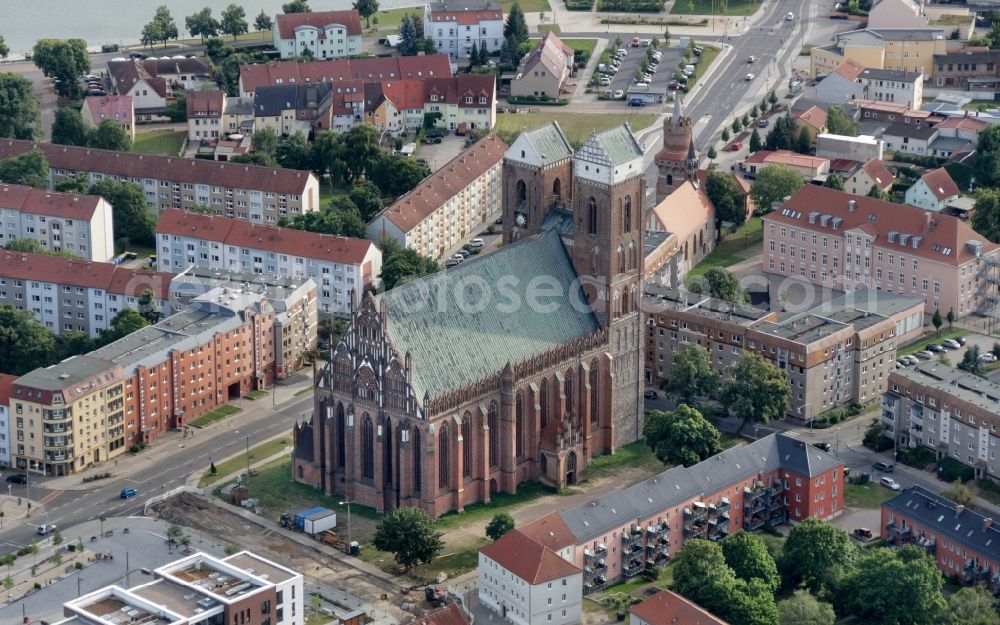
{"x":626,"y":71}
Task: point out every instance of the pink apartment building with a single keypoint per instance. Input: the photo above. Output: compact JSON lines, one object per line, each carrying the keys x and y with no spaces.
{"x":845,"y":242}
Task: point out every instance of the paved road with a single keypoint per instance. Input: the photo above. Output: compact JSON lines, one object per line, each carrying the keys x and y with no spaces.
{"x":68,"y":507}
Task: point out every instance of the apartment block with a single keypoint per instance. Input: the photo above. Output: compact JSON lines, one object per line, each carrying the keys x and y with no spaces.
{"x":69,"y":295}
{"x":341,"y":267}
{"x":843,"y":242}
{"x":949,"y":411}
{"x":248,"y":192}
{"x":851,"y":80}
{"x":80,"y":225}
{"x":963,"y":542}
{"x":199,"y":590}
{"x":293,"y":300}
{"x":324,"y":34}
{"x":902,"y":49}
{"x":972,"y":71}
{"x":6,"y":384}
{"x":456,"y":29}
{"x":88,"y":409}
{"x":834,"y":356}
{"x":627,"y":531}
{"x":449,"y":206}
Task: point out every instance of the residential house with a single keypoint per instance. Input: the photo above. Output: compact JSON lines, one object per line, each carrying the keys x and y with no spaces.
{"x":845,"y":242}
{"x":380,"y":112}
{"x":841,"y":84}
{"x":871,"y":173}
{"x":957,"y":135}
{"x":897,"y":14}
{"x":321,"y":34}
{"x":448,"y":207}
{"x":545,"y":70}
{"x":809,"y":166}
{"x":70,"y":295}
{"x":179,"y":73}
{"x":250,"y":192}
{"x":341,"y":267}
{"x":456,"y":29}
{"x":97,"y":108}
{"x":687,"y":217}
{"x":669,"y":608}
{"x":910,"y":138}
{"x":862,"y":148}
{"x":975,"y":71}
{"x":813,"y":119}
{"x":287,"y":109}
{"x":6,"y":385}
{"x":237,"y":116}
{"x":80,"y":225}
{"x":205,"y":112}
{"x":148,"y":92}
{"x":933,"y":191}
{"x":403,"y":98}
{"x":850,"y":80}
{"x":468,"y":99}
{"x":526,"y":583}
{"x":188,"y":592}
{"x":903,"y":49}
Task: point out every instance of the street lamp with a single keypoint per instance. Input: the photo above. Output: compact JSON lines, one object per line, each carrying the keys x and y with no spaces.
{"x":348,"y":504}
{"x":248,"y":464}
{"x":102,"y":526}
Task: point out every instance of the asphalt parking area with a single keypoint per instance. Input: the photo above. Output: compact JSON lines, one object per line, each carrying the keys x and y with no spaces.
{"x":625,"y":77}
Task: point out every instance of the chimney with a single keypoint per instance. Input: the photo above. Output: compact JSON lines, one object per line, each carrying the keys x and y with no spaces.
{"x":852,"y":205}
{"x":927,"y":222}
{"x":959,"y":509}
{"x":987,"y":522}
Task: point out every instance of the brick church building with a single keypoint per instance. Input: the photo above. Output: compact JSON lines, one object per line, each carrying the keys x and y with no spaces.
{"x":517,"y":365}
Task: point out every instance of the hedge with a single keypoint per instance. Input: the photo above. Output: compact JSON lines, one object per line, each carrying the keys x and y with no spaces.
{"x":530,"y":99}
{"x":579,"y":5}
{"x":916,"y":159}
{"x":951,"y":470}
{"x":632,"y":6}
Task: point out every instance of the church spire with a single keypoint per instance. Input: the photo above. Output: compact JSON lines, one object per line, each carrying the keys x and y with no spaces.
{"x":678,"y":114}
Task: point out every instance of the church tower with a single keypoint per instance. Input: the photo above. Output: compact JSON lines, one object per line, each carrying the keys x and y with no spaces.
{"x":537,"y":173}
{"x":608,"y":238}
{"x":677,"y":161}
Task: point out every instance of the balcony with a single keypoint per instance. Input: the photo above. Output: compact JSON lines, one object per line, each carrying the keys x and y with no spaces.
{"x":697,"y":511}
{"x":754,"y":522}
{"x":55,"y":415}
{"x":777,"y":488}
{"x":631,"y":539}
{"x":633,"y":568}
{"x":696,"y":529}
{"x":929,"y":544}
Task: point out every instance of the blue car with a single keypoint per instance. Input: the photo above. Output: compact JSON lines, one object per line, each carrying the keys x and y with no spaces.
{"x":129,"y":492}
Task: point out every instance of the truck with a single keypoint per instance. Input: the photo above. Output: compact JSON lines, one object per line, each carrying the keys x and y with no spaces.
{"x":315,"y":520}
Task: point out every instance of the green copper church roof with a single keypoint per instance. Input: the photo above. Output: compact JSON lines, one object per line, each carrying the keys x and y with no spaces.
{"x":550,"y":142}
{"x":467,"y":322}
{"x":619,"y":144}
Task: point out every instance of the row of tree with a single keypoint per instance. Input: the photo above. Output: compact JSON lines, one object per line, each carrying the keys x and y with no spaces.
{"x":68,"y":128}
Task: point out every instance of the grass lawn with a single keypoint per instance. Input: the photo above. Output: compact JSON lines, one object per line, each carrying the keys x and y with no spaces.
{"x":705,"y":61}
{"x":164,"y":142}
{"x":214,"y":415}
{"x":501,"y":502}
{"x":318,"y":618}
{"x":326,"y":193}
{"x":256,"y":394}
{"x":528,"y":6}
{"x":239,"y":462}
{"x":587,"y":45}
{"x":637,"y":454}
{"x":546,"y":28}
{"x":715,"y":7}
{"x":735,"y":247}
{"x":577,"y":126}
{"x":930,"y":337}
{"x":389,"y":21}
{"x":870,"y":495}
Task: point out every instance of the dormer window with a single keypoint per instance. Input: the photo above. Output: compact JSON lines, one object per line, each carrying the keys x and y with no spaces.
{"x":468,"y":100}
{"x":434,"y":97}
{"x":482,"y":99}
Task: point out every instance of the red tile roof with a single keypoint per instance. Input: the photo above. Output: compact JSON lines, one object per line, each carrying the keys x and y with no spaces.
{"x":527,"y":559}
{"x":940,"y":183}
{"x":6,"y":387}
{"x":41,"y":202}
{"x":813,"y":116}
{"x":451,"y":614}
{"x":240,"y":233}
{"x":454,"y":90}
{"x":552,"y":53}
{"x":435,"y":190}
{"x":75,"y":272}
{"x":549,"y":531}
{"x":288,"y":22}
{"x":404,"y":94}
{"x":685,"y":211}
{"x":668,"y":608}
{"x":127,"y":74}
{"x":205,"y":104}
{"x":964,"y":123}
{"x":335,"y":70}
{"x":117,"y":107}
{"x":178,"y":170}
{"x":880,"y":218}
{"x":849,"y":69}
{"x":878,"y":172}
{"x":785,"y":157}
{"x":467,"y":18}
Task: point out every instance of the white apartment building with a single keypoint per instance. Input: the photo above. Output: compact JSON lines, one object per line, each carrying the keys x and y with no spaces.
{"x":457,"y":28}
{"x":325,"y":34}
{"x":6,"y":382}
{"x":340,"y":266}
{"x":449,"y":206}
{"x":80,"y":225}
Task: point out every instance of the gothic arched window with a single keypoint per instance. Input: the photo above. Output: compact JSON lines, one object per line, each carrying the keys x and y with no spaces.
{"x":593,"y":391}
{"x":494,"y":424}
{"x":627,"y":219}
{"x":519,"y":425}
{"x":570,"y":403}
{"x":557,"y":188}
{"x":467,"y":445}
{"x":443,"y":452}
{"x":621,"y":259}
{"x":367,"y":448}
{"x":417,"y":459}
{"x":543,"y":402}
{"x":591,"y":216}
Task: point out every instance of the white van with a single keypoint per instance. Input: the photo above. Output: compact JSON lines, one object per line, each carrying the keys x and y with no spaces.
{"x":476,"y":244}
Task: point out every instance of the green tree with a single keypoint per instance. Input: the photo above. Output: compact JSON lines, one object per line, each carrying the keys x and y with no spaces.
{"x":227,"y":71}
{"x":409,"y":534}
{"x":725,"y":285}
{"x":755,"y":143}
{"x":148,"y":306}
{"x":161,"y":28}
{"x":177,"y":108}
{"x":366,"y":8}
{"x":296,"y":6}
{"x":747,"y":555}
{"x":367,"y":197}
{"x":725,"y":134}
{"x":970,"y":361}
{"x":971,"y":606}
{"x":68,"y":128}
{"x":816,"y":555}
{"x":264,"y":141}
{"x":752,"y":603}
{"x":725,"y":195}
{"x":773,"y":184}
{"x":772,"y":98}
{"x":878,"y":193}
{"x":65,"y":60}
{"x":987,"y":165}
{"x":202,"y":24}
{"x":234,"y":21}
{"x":263,"y":22}
{"x":937,"y":320}
{"x":692,"y":376}
{"x":833,"y":181}
{"x":500,"y":524}
{"x":803,"y":141}
{"x":745,"y":120}
{"x":755,"y":111}
{"x":682,"y":436}
{"x":838,"y":123}
{"x":702,"y":575}
{"x":133,"y":221}
{"x":951,"y":318}
{"x":893,"y":587}
{"x":963,"y":494}
{"x":395,"y":174}
{"x":712,"y":154}
{"x":408,"y":36}
{"x":20,"y":114}
{"x":736,"y":127}
{"x":124,"y":323}
{"x":804,"y":609}
{"x":516,"y":25}
{"x":756,"y":390}
{"x":32,"y":246}
{"x":986,"y":216}
{"x":25,"y":344}
{"x":402,"y":264}
{"x":216,"y":49}
{"x":294,"y":152}
{"x":73,"y":344}
{"x":110,"y":135}
{"x":782,"y":135}
{"x":77,"y":184}
{"x":29,"y":168}
{"x":4,"y":49}
{"x":340,"y":217}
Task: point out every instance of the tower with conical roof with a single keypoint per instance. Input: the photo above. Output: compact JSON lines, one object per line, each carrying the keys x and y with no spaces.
{"x":677,"y":161}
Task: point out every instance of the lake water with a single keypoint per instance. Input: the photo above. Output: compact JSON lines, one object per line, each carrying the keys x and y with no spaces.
{"x":121,"y":21}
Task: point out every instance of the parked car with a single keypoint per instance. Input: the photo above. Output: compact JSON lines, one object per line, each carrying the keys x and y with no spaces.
{"x":451,"y":262}
{"x":622,"y":52}
{"x":476,"y":244}
{"x":762,"y":123}
{"x":912,"y":360}
{"x":903,"y":362}
{"x":789,"y":16}
{"x":987,"y":357}
{"x":933,"y":347}
{"x":822,"y":445}
{"x":463,"y":253}
{"x":642,"y":83}
{"x":884,"y":467}
{"x":735,"y":146}
{"x":605,"y":82}
{"x":17,"y":478}
{"x":924,"y":355}
{"x":951,"y":343}
{"x":128,"y":491}
{"x":619,"y":94}
{"x":674,"y":85}
{"x":637,"y":102}
{"x":863,"y":533}
{"x":889,"y":483}
{"x":650,"y":395}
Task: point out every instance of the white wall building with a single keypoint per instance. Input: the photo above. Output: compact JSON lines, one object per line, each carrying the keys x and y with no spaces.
{"x":6,"y":380}
{"x":326,"y":34}
{"x":339,"y":266}
{"x":933,"y":191}
{"x":455,"y":29}
{"x":862,"y":148}
{"x":80,"y":225}
{"x":526,"y":583}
